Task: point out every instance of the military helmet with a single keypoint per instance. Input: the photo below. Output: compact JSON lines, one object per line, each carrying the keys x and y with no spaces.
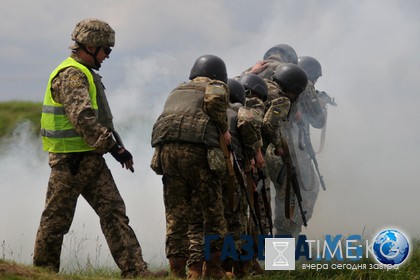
{"x":282,"y":53}
{"x":291,"y":78}
{"x":94,"y":33}
{"x":209,"y":66}
{"x":311,"y":66}
{"x":236,"y":91}
{"x":255,"y":84}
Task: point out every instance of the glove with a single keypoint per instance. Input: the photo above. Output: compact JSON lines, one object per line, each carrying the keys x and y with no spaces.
{"x":121,"y":157}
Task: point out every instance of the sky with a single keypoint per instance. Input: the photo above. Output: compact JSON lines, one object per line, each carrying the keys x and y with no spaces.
{"x":369,"y":56}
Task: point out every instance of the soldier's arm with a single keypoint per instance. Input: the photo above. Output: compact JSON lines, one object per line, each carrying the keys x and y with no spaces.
{"x":71,"y":89}
{"x":215,"y":104}
{"x":275,"y":116}
{"x":310,"y":105}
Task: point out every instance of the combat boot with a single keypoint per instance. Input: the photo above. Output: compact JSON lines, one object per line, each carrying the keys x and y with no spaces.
{"x":227,"y":265}
{"x":153,"y":274}
{"x":240,"y":268}
{"x":195,"y":270}
{"x":177,"y":266}
{"x":213,"y":268}
{"x":255,"y":268}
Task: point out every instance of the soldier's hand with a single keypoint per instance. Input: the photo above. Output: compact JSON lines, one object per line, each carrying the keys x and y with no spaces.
{"x":278,"y":151}
{"x":259,"y":67}
{"x":259,"y":159}
{"x":298,"y":116}
{"x":123,"y":156}
{"x":227,"y":137}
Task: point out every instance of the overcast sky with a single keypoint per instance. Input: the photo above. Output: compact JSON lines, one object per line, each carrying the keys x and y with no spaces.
{"x":369,"y":54}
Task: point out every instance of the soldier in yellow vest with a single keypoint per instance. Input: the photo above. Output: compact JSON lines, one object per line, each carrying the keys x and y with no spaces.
{"x":77,"y":129}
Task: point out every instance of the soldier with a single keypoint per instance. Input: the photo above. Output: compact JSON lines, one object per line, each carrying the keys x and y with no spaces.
{"x":310,"y":111}
{"x":272,"y":59}
{"x":245,"y":129}
{"x":278,"y":94}
{"x":188,"y":130}
{"x":77,"y":129}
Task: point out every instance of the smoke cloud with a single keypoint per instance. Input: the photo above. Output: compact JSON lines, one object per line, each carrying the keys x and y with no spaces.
{"x":368,"y":51}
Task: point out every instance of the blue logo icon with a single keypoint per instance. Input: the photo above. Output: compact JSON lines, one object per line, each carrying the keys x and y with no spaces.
{"x":391,"y":247}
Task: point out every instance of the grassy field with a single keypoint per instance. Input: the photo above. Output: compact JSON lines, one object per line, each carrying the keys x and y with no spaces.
{"x":411,"y":270}
{"x":14,"y":112}
{"x":367,"y":269}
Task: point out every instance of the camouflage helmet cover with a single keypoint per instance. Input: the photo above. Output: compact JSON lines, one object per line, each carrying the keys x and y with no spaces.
{"x":94,"y":33}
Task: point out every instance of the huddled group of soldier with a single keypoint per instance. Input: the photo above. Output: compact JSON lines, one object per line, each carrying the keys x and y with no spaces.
{"x":219,"y":144}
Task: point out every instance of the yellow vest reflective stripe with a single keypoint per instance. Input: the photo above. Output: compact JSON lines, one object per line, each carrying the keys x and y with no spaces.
{"x":58,"y":134}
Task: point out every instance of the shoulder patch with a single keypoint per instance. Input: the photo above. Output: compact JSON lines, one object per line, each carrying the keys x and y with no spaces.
{"x":216,"y":88}
{"x":245,"y":114}
{"x":75,"y":81}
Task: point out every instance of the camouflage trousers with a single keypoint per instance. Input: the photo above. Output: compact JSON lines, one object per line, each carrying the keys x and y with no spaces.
{"x":94,"y":182}
{"x":236,"y":210}
{"x":193,"y":201}
{"x":309,"y":188}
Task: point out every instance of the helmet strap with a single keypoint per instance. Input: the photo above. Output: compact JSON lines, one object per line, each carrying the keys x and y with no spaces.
{"x":97,"y":64}
{"x":93,"y":55}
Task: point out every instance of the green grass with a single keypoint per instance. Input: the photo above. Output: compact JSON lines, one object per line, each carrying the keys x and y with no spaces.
{"x":14,"y":112}
{"x":409,"y":270}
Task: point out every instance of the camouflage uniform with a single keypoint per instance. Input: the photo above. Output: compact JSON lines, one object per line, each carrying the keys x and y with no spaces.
{"x":245,"y":128}
{"x":307,"y":176}
{"x":86,"y":174}
{"x":193,"y":117}
{"x":267,"y":73}
{"x":276,"y":112}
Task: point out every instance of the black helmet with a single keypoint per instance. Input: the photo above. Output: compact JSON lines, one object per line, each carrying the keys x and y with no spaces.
{"x":236,"y":91}
{"x":291,"y":78}
{"x":255,"y":84}
{"x":209,"y":66}
{"x":311,"y":66}
{"x":282,"y":53}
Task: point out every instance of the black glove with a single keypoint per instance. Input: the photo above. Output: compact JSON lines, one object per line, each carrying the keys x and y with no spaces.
{"x":120,"y":157}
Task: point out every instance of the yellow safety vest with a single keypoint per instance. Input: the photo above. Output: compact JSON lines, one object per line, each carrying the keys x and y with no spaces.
{"x":58,"y":134}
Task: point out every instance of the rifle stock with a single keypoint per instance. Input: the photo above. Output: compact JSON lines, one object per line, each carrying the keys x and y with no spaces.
{"x":267,"y":207}
{"x":292,"y":181}
{"x":242,"y":183}
{"x":310,"y":150}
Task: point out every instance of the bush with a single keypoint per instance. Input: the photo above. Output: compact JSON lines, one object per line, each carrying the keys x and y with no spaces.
{"x":14,"y":112}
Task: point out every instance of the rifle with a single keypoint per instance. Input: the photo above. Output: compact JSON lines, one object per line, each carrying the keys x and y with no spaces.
{"x":310,"y":150}
{"x":119,"y":142}
{"x":241,"y":180}
{"x":326,"y":98}
{"x":260,"y":182}
{"x":292,"y":181}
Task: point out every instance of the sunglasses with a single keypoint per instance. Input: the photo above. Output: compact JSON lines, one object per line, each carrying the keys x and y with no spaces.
{"x":107,"y":50}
